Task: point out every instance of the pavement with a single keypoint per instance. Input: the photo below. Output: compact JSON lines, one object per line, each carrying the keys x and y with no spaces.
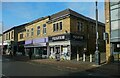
{"x":111,"y":70}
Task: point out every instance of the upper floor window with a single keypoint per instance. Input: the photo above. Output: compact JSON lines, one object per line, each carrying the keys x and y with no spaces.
{"x":21,"y":36}
{"x":27,"y":33}
{"x":57,"y":26}
{"x":32,"y":31}
{"x":38,"y":30}
{"x":6,"y":36}
{"x":60,"y":25}
{"x":12,"y":35}
{"x":44,"y":28}
{"x":80,"y":26}
{"x":9,"y":35}
{"x":54,"y":27}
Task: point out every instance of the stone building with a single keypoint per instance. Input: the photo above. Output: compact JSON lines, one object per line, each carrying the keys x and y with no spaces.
{"x":112,"y":22}
{"x":12,"y":38}
{"x":66,"y":32}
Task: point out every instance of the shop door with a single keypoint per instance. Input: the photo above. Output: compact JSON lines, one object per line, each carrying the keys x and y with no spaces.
{"x":58,"y":49}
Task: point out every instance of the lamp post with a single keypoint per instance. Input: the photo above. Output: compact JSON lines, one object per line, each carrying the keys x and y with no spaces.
{"x":97,"y":53}
{"x":2,"y":38}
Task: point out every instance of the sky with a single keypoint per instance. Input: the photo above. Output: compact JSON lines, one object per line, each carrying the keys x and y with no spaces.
{"x":17,"y":13}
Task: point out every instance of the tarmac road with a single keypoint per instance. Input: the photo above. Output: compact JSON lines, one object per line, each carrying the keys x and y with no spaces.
{"x":11,"y":67}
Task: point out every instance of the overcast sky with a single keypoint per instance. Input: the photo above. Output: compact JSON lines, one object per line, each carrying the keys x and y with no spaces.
{"x":17,"y":13}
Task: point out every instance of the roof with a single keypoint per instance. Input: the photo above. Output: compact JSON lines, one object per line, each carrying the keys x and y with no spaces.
{"x":59,"y":15}
{"x":37,"y":20}
{"x":73,"y":13}
{"x":14,"y":27}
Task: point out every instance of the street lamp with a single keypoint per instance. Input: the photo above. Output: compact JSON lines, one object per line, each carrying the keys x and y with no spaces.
{"x":97,"y":53}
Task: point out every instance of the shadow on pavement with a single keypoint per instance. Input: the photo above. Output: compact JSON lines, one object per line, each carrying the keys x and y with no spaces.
{"x":107,"y":70}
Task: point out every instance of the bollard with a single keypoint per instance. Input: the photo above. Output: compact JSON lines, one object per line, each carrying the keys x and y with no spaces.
{"x":77,"y":57}
{"x":84,"y":57}
{"x":90,"y":57}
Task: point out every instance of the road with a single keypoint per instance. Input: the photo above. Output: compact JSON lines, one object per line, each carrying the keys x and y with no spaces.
{"x":11,"y":67}
{"x":21,"y":68}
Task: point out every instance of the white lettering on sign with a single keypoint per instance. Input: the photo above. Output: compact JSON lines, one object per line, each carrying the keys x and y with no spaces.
{"x":77,"y":37}
{"x":58,"y":38}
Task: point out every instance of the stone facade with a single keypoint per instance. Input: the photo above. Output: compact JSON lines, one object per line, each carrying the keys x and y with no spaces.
{"x":107,"y":28}
{"x":70,"y":38}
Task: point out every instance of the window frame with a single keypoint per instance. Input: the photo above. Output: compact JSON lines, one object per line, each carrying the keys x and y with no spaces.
{"x":54,"y":27}
{"x":60,"y":26}
{"x":12,"y":35}
{"x":21,"y":35}
{"x":9,"y":35}
{"x":32,"y":31}
{"x":27,"y":32}
{"x":38,"y":29}
{"x":44,"y":29}
{"x":79,"y":26}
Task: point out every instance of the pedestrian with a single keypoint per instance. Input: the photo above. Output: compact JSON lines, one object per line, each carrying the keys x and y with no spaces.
{"x":11,"y":54}
{"x":57,"y":56}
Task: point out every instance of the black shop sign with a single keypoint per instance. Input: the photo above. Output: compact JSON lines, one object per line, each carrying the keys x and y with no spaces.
{"x":76,"y":37}
{"x":57,"y":38}
{"x":66,"y":37}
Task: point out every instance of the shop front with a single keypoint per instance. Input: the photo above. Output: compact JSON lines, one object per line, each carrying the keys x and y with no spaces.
{"x":9,"y":46}
{"x":20,"y":47}
{"x":65,"y":45}
{"x":38,"y":47}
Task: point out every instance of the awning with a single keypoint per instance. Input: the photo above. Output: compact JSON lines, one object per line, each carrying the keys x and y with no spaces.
{"x":35,"y":45}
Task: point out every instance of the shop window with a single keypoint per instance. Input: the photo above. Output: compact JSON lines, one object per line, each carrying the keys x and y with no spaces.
{"x":32,"y":31}
{"x":38,"y":30}
{"x":44,"y":51}
{"x":44,"y":28}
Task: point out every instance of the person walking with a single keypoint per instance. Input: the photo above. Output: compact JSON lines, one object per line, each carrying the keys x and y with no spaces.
{"x":57,"y":56}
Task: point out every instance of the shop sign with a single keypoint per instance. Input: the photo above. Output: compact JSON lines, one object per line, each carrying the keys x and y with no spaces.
{"x":58,"y":38}
{"x":40,"y":44}
{"x":77,"y":37}
{"x":66,"y":37}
